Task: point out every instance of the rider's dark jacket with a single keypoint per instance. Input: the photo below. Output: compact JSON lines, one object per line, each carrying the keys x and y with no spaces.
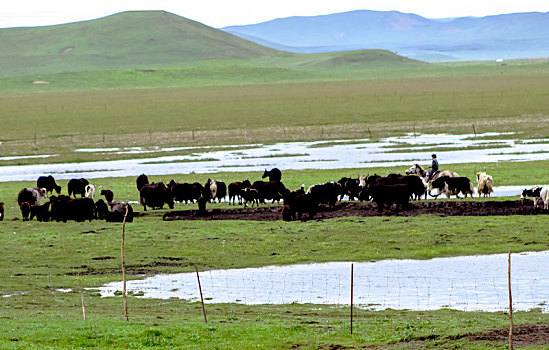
{"x":434,"y":166}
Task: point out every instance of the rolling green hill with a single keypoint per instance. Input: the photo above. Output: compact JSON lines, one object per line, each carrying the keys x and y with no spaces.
{"x":138,"y":39}
{"x":141,"y":40}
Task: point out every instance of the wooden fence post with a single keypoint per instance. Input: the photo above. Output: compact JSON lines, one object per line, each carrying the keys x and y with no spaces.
{"x":352,"y":274}
{"x":83,"y":307}
{"x":510,"y":303}
{"x":201,"y":296}
{"x":124,"y":267}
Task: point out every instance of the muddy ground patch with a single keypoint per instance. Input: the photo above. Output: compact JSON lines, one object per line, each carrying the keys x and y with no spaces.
{"x":366,"y":209}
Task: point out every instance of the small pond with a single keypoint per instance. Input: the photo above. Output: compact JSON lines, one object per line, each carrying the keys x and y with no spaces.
{"x":466,"y":283}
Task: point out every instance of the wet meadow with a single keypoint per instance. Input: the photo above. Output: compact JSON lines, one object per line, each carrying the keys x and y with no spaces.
{"x":47,"y":268}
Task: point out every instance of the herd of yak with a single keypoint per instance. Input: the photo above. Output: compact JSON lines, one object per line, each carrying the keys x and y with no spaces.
{"x":79,"y":203}
{"x":383,"y":190}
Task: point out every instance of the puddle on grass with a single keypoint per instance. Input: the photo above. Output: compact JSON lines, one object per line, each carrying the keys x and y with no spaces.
{"x":26,"y":157}
{"x":468,"y":283}
{"x":507,"y":191}
{"x":328,"y":154}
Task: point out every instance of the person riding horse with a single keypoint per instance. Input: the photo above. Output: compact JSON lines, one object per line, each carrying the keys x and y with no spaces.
{"x":434,"y":166}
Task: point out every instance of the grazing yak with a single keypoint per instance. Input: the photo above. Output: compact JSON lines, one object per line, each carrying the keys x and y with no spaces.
{"x":77,"y":186}
{"x":382,"y":194}
{"x":180,"y":191}
{"x":296,"y":203}
{"x":272,"y":190}
{"x":108,"y":194}
{"x":155,"y":195}
{"x":326,"y":193}
{"x":215,"y":190}
{"x":274,"y":175}
{"x":235,"y":190}
{"x":351,"y":187}
{"x":484,"y":184}
{"x":48,"y":182}
{"x":544,"y":194}
{"x":101,"y":209}
{"x":141,"y":181}
{"x":250,"y":195}
{"x":535,"y":193}
{"x":1,"y":211}
{"x":210,"y":190}
{"x":452,"y":186}
{"x":33,"y":196}
{"x":64,"y":208}
{"x":202,"y":206}
{"x":41,"y":212}
{"x":221,"y":192}
{"x":89,"y":191}
{"x":196,"y":191}
{"x":417,"y":185}
{"x":25,"y":208}
{"x":185,"y":192}
{"x":287,"y":213}
{"x":118,"y":211}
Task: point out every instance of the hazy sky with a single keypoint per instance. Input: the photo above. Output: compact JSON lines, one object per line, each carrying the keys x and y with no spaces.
{"x":220,"y":13}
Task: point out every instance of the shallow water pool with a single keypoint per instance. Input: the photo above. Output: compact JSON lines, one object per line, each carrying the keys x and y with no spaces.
{"x":393,"y":151}
{"x":466,"y":283}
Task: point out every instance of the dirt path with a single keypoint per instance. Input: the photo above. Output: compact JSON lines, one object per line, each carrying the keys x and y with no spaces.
{"x":442,"y":208}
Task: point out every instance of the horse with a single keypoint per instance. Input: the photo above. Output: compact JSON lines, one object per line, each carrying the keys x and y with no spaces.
{"x":416,"y":169}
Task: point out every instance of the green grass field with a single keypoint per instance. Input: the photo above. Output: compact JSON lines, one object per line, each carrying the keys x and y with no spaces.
{"x":433,"y":99}
{"x":40,"y":260}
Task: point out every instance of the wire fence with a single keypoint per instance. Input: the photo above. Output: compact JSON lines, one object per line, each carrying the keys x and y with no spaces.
{"x":238,"y":135}
{"x":331,"y":284}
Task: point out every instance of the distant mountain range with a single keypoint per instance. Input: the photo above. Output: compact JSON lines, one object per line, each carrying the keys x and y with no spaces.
{"x":348,"y":41}
{"x":519,"y":35}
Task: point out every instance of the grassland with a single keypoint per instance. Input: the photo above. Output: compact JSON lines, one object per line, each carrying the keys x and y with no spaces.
{"x":259,"y":97}
{"x":142,"y":109}
{"x":38,"y":261}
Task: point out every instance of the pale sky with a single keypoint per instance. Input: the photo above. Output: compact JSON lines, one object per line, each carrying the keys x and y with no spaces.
{"x":221,"y":13}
